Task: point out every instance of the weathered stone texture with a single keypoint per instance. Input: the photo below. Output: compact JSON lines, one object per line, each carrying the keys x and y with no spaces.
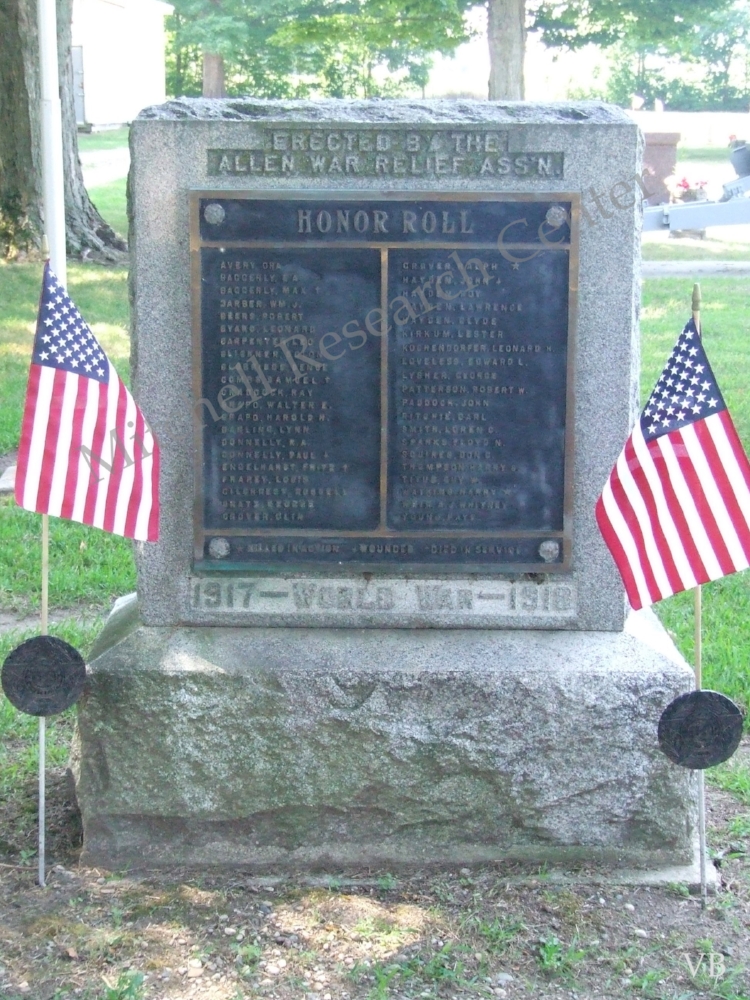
{"x":323,"y":748}
{"x":170,"y":147}
{"x":441,"y":732}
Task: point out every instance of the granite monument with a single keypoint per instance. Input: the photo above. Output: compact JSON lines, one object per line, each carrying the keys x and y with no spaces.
{"x":390,"y":352}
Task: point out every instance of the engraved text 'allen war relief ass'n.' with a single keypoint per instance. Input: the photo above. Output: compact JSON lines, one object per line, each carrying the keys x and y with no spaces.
{"x":431,"y":153}
{"x":383,"y":383}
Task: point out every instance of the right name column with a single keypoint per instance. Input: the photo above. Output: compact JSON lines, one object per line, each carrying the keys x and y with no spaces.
{"x":477,"y":387}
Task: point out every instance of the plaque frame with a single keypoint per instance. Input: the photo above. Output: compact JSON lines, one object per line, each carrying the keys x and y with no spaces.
{"x":418,"y":570}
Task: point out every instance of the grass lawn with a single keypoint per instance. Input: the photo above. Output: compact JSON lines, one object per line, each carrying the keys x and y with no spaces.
{"x":716,"y":246}
{"x":94,"y":935}
{"x":90,"y":142}
{"x":109,"y":198}
{"x":110,"y":201}
{"x":725,"y":318}
{"x":702,"y":154}
{"x":101,"y":296}
{"x":86,"y":566}
{"x":726,"y":328}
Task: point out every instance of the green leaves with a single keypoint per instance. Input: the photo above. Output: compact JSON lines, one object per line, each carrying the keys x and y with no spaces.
{"x":129,"y":986}
{"x":555,"y":958}
{"x":701,"y":32}
{"x":651,"y":24}
{"x":301,"y":48}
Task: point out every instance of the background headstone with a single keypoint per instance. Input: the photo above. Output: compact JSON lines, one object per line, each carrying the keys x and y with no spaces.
{"x":659,"y":162}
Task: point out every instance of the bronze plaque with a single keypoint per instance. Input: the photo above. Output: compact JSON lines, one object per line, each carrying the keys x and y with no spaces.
{"x":43,"y":676}
{"x":383,"y":383}
{"x":700,"y":729}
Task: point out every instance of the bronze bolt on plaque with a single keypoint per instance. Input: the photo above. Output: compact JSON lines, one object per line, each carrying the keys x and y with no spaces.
{"x":383,"y":381}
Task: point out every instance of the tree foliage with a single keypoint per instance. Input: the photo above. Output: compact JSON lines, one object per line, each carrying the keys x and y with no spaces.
{"x":665,"y":25}
{"x":651,"y":41}
{"x":301,"y":48}
{"x":719,"y":39}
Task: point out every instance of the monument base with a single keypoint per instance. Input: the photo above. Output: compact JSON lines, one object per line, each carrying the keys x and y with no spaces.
{"x":326,"y":749}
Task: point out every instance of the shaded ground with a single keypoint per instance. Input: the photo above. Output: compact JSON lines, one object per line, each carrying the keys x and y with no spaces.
{"x":486,"y":932}
{"x":7,"y":459}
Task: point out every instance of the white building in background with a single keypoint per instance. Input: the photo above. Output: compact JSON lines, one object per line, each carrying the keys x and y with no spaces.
{"x":118,"y":59}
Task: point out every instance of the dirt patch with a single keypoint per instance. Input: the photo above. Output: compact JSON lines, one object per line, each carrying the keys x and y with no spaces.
{"x":16,"y":621}
{"x":10,"y":621}
{"x":18,"y":821}
{"x":494,"y":931}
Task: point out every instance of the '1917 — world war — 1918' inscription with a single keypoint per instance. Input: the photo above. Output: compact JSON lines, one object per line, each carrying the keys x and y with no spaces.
{"x":383,"y":381}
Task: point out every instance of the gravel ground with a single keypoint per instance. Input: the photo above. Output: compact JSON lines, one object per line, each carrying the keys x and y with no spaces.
{"x":494,"y":931}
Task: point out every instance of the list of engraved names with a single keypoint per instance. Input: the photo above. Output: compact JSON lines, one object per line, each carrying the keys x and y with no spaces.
{"x":381,"y":394}
{"x":299,"y":442}
{"x":476,"y":396}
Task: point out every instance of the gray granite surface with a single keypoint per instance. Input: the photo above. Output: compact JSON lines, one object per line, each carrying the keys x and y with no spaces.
{"x":330,"y":748}
{"x":601,"y":148}
{"x":375,"y":110}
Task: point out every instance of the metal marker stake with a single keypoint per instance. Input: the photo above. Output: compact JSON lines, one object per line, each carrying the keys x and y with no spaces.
{"x":42,"y":719}
{"x":698,"y":659}
{"x":44,"y":676}
{"x":42,"y":794}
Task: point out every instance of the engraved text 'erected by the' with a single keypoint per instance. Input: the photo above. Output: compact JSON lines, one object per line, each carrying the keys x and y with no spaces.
{"x":383,"y":153}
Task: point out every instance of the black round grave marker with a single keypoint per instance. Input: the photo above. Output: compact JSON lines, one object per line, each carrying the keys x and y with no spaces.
{"x":700,"y":729}
{"x":43,"y":676}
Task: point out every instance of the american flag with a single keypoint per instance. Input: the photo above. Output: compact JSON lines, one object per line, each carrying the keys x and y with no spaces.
{"x":86,"y":451}
{"x":675,"y":511}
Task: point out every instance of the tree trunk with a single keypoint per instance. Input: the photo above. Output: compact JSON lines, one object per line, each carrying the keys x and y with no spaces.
{"x":213,"y":75}
{"x":21,"y":209}
{"x":640,"y":79}
{"x":177,"y":22}
{"x":506,"y":34}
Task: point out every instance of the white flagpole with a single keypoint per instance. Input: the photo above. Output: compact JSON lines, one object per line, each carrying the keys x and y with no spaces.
{"x":53,"y":190}
{"x":698,"y":659}
{"x":53,"y":185}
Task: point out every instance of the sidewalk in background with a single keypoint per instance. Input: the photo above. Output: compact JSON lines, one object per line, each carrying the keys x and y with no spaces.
{"x":102,"y":166}
{"x":682,"y":268}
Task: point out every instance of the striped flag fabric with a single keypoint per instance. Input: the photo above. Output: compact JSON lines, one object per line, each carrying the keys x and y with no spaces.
{"x":675,"y":511}
{"x":86,"y":451}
